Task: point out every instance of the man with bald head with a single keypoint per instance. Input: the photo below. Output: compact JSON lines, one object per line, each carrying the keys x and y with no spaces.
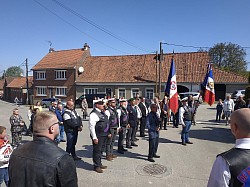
{"x":41,"y":162}
{"x":72,"y":124}
{"x":232,"y":168}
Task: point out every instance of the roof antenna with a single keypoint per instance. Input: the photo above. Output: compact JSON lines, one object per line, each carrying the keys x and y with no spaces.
{"x":50,"y":44}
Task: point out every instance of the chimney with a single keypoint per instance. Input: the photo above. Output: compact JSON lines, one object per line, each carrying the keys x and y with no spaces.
{"x":51,"y":50}
{"x":85,"y":47}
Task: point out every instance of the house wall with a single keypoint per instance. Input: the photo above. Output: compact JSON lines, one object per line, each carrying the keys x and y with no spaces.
{"x":51,"y":83}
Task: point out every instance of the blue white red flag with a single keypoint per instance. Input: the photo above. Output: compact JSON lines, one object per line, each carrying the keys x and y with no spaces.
{"x":171,"y":89}
{"x":209,"y":96}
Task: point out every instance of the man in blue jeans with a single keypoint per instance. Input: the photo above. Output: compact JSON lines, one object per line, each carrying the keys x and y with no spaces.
{"x":59,"y":114}
{"x":72,"y":124}
{"x":185,"y":119}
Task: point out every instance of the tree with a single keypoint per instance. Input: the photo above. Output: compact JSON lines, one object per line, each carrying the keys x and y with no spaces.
{"x":14,"y":71}
{"x":229,"y":56}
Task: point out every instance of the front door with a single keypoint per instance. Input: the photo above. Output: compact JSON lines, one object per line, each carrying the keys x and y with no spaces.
{"x":50,"y":92}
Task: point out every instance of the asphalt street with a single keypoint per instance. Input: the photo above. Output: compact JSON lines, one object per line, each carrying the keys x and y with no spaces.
{"x":179,"y":165}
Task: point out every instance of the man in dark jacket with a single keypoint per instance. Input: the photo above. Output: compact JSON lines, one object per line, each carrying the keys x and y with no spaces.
{"x":144,"y":111}
{"x":41,"y":162}
{"x":153,"y":126}
{"x":72,"y":124}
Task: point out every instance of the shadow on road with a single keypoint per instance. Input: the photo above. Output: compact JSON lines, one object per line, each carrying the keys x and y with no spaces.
{"x":216,"y":134}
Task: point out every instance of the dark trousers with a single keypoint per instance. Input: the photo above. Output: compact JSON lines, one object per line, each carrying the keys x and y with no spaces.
{"x":142,"y":126}
{"x":153,"y":146}
{"x":130,"y":135}
{"x":97,"y":149}
{"x":164,"y":122}
{"x":122,"y":134}
{"x":175,"y":119}
{"x":218,"y":115}
{"x":71,"y":142}
{"x":111,"y":141}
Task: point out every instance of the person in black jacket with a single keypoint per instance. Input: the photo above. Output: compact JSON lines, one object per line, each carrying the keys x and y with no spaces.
{"x":41,"y":162}
{"x":144,"y":111}
{"x":72,"y":124}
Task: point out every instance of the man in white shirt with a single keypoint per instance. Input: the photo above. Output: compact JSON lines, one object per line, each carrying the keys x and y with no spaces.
{"x":232,"y":168}
{"x":228,"y":107}
{"x":99,"y":132}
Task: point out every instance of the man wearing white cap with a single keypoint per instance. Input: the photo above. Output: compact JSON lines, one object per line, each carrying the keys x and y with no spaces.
{"x":112,"y":114}
{"x":185,"y":118}
{"x":99,"y":131}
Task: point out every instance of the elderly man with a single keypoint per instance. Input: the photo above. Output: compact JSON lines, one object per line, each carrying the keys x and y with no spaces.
{"x":153,"y":125}
{"x":228,"y":107}
{"x":232,"y":168}
{"x":185,"y":119}
{"x":41,"y":162}
{"x":72,"y":124}
{"x":99,"y":132}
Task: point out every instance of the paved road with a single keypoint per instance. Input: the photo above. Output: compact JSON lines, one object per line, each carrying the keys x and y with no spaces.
{"x":185,"y":165}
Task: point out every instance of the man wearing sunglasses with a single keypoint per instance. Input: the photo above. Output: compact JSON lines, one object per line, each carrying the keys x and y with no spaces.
{"x":41,"y":162}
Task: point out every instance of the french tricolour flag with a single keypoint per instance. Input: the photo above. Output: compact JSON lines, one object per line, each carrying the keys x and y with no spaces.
{"x":171,"y":89}
{"x":209,"y":96}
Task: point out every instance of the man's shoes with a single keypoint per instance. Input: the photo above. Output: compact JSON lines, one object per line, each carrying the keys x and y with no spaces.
{"x":98,"y":170}
{"x":189,"y":142}
{"x":113,"y":156}
{"x":109,"y":158}
{"x":120,"y":151}
{"x":156,"y":156}
{"x":76,"y":158}
{"x":103,"y":167}
{"x":124,"y":149}
{"x":129,"y":147}
{"x":151,"y":160}
{"x":183,"y":143}
{"x":62,"y":140}
{"x":133,"y":144}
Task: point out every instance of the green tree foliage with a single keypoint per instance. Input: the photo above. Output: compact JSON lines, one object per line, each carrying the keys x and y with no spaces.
{"x":229,"y":56}
{"x":14,"y":71}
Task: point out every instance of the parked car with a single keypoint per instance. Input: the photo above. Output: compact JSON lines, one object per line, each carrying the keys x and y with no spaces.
{"x":237,"y":93}
{"x":47,"y":102}
{"x":89,"y":98}
{"x":196,"y":96}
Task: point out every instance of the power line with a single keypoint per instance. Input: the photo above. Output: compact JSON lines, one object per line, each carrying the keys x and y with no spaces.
{"x":78,"y":28}
{"x":100,"y":27}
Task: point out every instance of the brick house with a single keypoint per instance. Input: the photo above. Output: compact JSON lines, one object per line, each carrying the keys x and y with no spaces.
{"x":69,"y":74}
{"x":55,"y":74}
{"x":18,"y":88}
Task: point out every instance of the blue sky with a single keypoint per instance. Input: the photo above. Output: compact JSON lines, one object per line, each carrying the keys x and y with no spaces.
{"x":139,"y":25}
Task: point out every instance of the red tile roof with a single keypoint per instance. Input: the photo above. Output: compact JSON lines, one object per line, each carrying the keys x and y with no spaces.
{"x":8,"y":80}
{"x":190,"y":67}
{"x":63,"y":59}
{"x":20,"y":82}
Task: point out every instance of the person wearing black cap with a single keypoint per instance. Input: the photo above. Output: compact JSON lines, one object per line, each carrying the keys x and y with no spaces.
{"x":99,"y":132}
{"x":123,"y":113}
{"x":185,"y":118}
{"x":132,"y":111}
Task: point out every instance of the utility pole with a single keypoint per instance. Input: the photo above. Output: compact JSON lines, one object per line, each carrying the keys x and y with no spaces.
{"x":156,"y":77}
{"x":161,"y":58}
{"x":27,"y":81}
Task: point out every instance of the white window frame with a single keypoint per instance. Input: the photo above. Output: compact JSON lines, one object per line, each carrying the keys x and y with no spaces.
{"x":124,"y":92}
{"x":40,"y":75}
{"x":60,"y":75}
{"x":93,"y":90}
{"x":41,"y":91}
{"x":133,"y":92}
{"x":146,"y":91}
{"x":61,"y":91}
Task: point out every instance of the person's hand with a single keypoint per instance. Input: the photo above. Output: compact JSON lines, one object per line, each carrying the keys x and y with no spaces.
{"x":183,"y":125}
{"x":120,"y":129}
{"x":128,"y":126}
{"x":109,"y":136}
{"x":80,"y":128}
{"x":95,"y":141}
{"x":22,"y":123}
{"x":157,"y":128}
